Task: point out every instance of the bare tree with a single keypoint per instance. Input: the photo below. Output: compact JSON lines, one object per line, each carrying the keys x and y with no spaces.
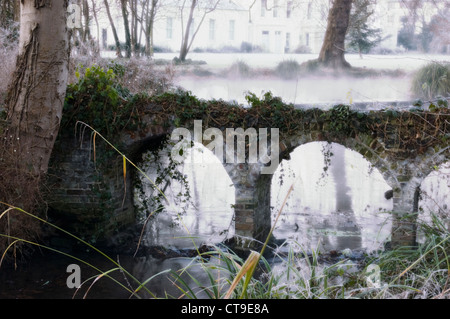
{"x":187,"y":38}
{"x":114,"y":30}
{"x":126,"y":24}
{"x":150,"y":15}
{"x":86,"y":32}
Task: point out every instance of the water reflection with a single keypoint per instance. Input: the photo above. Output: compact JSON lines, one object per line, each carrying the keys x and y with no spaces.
{"x":434,"y":204}
{"x":339,"y":207}
{"x":207,"y":217}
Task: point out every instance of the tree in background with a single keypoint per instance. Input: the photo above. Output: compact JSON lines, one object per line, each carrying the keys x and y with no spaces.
{"x":188,"y":38}
{"x":332,"y":53}
{"x":124,"y":8}
{"x":114,"y":30}
{"x":9,"y":13}
{"x":361,"y":36}
{"x":149,"y":20}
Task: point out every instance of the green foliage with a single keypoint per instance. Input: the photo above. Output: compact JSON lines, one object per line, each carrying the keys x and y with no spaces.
{"x":406,"y":36}
{"x":432,"y":80}
{"x":100,"y":101}
{"x":344,"y":121}
{"x":360,"y":35}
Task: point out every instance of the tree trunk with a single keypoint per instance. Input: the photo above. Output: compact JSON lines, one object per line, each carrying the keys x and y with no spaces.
{"x":127,"y":28}
{"x":114,"y":31}
{"x":185,"y":42}
{"x":87,"y":22}
{"x":333,"y":48}
{"x":150,"y":19}
{"x":36,"y":97}
{"x":34,"y":108}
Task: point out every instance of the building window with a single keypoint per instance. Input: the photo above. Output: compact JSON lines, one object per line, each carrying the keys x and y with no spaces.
{"x":275,"y":8}
{"x":232,"y":29}
{"x":288,"y":42}
{"x":169,"y":28}
{"x":309,"y":10}
{"x":289,"y":10}
{"x":307,"y":39}
{"x":212,"y":29}
{"x":263,"y":8}
{"x":266,"y":41}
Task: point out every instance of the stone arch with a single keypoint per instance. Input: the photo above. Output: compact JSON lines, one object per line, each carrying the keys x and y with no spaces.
{"x":337,"y":225}
{"x":190,"y":214}
{"x":363,"y":144}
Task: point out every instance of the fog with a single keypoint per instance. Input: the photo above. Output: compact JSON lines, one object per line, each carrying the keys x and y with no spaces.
{"x":378,"y":79}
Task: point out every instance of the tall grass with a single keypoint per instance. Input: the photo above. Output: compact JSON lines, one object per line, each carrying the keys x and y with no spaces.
{"x":432,"y":80}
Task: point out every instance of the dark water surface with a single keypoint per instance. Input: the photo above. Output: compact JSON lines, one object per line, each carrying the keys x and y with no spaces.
{"x":44,"y":276}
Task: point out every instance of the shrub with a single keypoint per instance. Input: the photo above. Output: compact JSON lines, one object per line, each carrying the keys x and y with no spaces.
{"x":288,"y":69}
{"x":240,"y":68}
{"x":432,"y":80}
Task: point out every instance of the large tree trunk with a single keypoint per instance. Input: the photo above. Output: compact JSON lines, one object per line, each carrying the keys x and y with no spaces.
{"x":333,"y":48}
{"x":37,"y":93}
{"x":34,"y":110}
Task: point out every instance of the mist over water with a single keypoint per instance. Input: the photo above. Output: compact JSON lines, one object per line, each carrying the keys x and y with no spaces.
{"x":309,"y":90}
{"x":388,"y":79}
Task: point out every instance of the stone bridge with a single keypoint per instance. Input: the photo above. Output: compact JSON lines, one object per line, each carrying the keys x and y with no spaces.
{"x":405,"y":146}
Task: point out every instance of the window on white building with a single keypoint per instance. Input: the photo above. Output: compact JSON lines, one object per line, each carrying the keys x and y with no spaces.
{"x":307,"y":39}
{"x":288,"y":42}
{"x":275,"y":8}
{"x":212,"y":29}
{"x":309,"y":10}
{"x":263,"y":8}
{"x":232,"y":29}
{"x":289,"y":10}
{"x":169,"y":28}
{"x":266,"y":41}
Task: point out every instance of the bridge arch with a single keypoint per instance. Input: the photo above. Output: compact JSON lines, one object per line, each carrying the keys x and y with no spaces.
{"x":188,"y":218}
{"x":328,"y":204}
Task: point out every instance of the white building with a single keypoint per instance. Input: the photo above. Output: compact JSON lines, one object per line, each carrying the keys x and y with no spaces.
{"x":226,"y":26}
{"x":287,"y":25}
{"x":275,"y":26}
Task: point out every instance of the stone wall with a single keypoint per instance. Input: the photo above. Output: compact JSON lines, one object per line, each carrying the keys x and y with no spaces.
{"x":89,"y":200}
